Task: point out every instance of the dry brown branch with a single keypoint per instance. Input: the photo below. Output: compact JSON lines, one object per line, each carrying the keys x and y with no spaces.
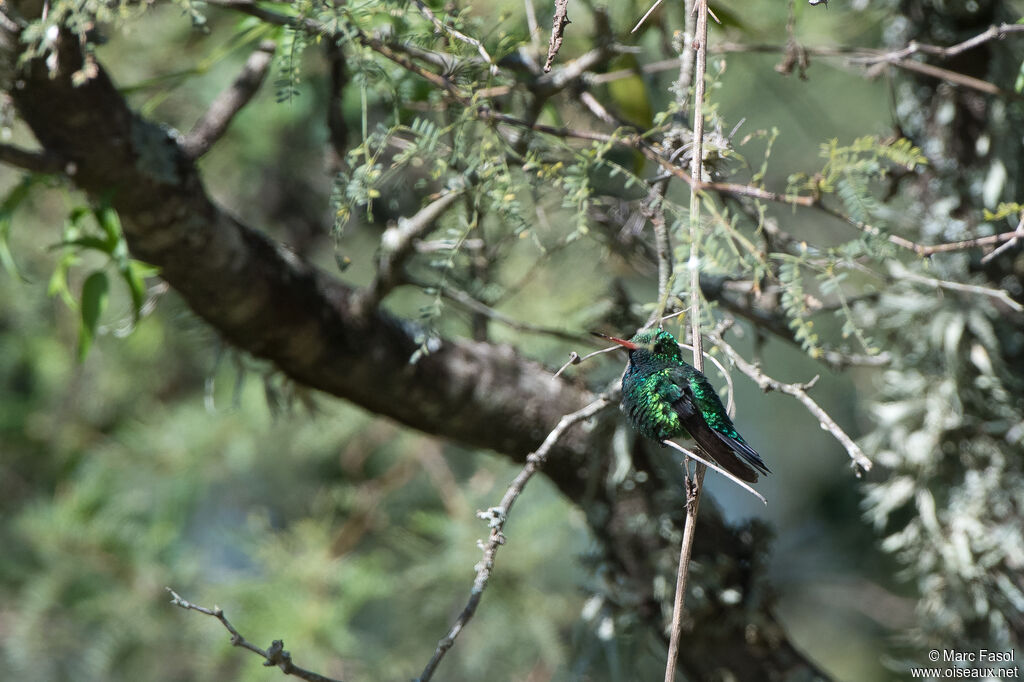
{"x":496,"y":518}
{"x":212,"y":125}
{"x":900,"y":272}
{"x":477,"y":307}
{"x":922,"y":250}
{"x":558,"y":24}
{"x":1018,"y":234}
{"x":949,"y":76}
{"x":992,"y":33}
{"x":275,"y":655}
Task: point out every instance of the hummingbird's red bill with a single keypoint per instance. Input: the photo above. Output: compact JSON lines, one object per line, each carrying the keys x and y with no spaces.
{"x":622,"y":342}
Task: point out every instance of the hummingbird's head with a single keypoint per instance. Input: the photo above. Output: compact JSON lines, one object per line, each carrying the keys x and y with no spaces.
{"x":650,"y":344}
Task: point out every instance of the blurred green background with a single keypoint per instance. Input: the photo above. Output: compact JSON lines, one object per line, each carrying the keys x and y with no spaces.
{"x":167,"y":459}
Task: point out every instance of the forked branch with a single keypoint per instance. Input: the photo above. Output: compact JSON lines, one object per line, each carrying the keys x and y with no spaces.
{"x":275,"y":655}
{"x":861,"y":463}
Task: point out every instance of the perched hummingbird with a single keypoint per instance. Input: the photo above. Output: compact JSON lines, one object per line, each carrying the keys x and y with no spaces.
{"x":665,"y":397}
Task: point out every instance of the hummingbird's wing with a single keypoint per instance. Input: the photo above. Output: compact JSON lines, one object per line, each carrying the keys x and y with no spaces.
{"x":701,"y":411}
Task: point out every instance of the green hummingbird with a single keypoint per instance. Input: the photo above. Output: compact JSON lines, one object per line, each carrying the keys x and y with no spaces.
{"x":666,"y":397}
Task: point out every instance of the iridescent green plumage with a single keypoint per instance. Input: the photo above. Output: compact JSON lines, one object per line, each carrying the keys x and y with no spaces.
{"x":665,"y":397}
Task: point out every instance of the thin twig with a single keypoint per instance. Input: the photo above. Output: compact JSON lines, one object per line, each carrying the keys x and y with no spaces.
{"x":595,"y":107}
{"x":532,"y":26}
{"x":558,"y":23}
{"x":686,"y":57}
{"x":274,"y":656}
{"x":914,"y":47}
{"x":649,"y":12}
{"x":711,"y":465}
{"x":496,"y":518}
{"x":1018,"y":235}
{"x":575,"y":359}
{"x":397,"y":243}
{"x":480,"y":308}
{"x":696,"y":482}
{"x":458,"y":35}
{"x":212,"y":125}
{"x":922,"y":250}
{"x":654,"y":212}
{"x":900,"y":272}
{"x":860,"y":461}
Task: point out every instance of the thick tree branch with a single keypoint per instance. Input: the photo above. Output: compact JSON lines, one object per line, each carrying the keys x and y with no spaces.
{"x":34,"y":162}
{"x":267,"y":301}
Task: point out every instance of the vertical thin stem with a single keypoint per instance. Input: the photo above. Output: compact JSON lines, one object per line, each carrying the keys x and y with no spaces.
{"x":686,"y":57}
{"x":694,"y":484}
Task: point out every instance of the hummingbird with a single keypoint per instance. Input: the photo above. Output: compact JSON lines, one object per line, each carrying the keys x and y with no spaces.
{"x":665,"y":397}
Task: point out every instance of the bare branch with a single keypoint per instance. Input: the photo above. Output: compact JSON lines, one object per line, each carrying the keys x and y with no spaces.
{"x":652,"y":210}
{"x":215,"y":121}
{"x":558,"y":24}
{"x":275,"y":655}
{"x":597,"y":109}
{"x":649,"y":12}
{"x":575,"y":359}
{"x":921,"y":249}
{"x":532,"y":26}
{"x":950,"y":76}
{"x":993,"y":33}
{"x":711,"y":465}
{"x":480,"y":308}
{"x":861,"y":463}
{"x":1018,"y":234}
{"x":496,"y":518}
{"x":901,"y":272}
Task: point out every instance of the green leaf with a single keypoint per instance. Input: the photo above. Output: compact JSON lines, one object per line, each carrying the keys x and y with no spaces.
{"x":95,"y":293}
{"x":58,"y":285}
{"x":95,"y":243}
{"x":111,"y":224}
{"x":7,"y":208}
{"x":134,"y":274}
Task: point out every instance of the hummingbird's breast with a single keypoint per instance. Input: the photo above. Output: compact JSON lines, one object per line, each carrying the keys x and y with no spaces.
{"x":647,"y":399}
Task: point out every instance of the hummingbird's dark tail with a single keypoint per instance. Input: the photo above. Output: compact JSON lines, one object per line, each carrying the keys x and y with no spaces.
{"x":735,"y":456}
